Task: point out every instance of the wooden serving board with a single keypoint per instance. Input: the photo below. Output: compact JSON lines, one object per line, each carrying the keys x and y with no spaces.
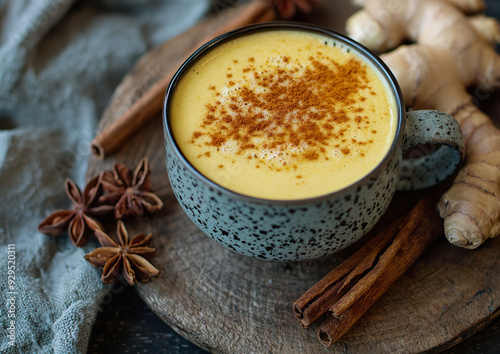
{"x":229,"y":303}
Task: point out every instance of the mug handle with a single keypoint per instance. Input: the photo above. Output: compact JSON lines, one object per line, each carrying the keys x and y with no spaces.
{"x":420,"y":168}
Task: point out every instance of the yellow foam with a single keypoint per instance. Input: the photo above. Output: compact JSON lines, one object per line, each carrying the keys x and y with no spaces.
{"x":282,"y":171}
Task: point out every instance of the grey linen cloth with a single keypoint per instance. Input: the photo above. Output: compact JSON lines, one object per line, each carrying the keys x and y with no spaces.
{"x":60,"y":61}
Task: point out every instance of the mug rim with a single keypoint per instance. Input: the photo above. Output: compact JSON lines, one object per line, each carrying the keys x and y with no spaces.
{"x":286,"y":25}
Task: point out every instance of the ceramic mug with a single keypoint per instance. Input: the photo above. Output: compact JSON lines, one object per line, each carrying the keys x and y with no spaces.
{"x":304,"y":229}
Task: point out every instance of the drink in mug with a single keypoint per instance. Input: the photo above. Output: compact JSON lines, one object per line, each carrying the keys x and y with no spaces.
{"x":285,"y":141}
{"x":283,"y":115}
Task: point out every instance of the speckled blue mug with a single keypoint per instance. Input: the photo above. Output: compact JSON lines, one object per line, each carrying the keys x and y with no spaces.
{"x":296,"y":230}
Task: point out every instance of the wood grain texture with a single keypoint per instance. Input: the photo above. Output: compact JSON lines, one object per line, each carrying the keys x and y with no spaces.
{"x":228,"y":303}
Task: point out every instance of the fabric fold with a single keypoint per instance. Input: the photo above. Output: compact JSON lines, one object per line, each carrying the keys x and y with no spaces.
{"x":60,"y":61}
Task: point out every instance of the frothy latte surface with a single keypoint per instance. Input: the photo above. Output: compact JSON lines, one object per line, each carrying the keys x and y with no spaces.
{"x":283,"y":114}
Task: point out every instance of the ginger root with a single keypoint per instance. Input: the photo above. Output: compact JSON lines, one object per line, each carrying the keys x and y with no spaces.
{"x":451,"y":52}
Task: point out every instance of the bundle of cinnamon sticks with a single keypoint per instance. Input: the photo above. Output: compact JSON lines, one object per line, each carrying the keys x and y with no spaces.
{"x":349,"y":290}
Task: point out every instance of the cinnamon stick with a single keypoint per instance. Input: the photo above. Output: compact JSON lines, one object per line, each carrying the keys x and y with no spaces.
{"x":149,"y":105}
{"x":368,"y":273}
{"x":318,"y":299}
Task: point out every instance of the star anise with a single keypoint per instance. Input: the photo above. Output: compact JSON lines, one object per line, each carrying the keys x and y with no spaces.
{"x":288,"y":8}
{"x":127,"y":256}
{"x":131,"y":193}
{"x":79,"y":221}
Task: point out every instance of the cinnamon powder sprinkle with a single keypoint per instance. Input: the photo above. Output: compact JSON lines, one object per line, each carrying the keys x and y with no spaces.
{"x":304,"y":110}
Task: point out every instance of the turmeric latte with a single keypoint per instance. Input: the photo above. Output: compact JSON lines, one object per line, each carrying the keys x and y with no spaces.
{"x":283,"y":115}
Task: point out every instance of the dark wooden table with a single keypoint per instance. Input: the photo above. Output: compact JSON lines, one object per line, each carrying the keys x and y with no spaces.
{"x":125,"y":324}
